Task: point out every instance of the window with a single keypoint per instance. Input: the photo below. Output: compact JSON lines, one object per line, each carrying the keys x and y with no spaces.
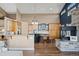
{"x":43,"y":26}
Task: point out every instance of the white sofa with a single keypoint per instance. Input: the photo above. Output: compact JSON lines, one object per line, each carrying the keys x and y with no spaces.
{"x":65,"y":45}
{"x":11,"y":53}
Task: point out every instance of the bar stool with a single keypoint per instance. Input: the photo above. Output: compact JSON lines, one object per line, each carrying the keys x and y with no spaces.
{"x":45,"y":40}
{"x":51,"y":39}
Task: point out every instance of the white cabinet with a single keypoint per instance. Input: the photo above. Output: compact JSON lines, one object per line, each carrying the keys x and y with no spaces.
{"x":24,"y":28}
{"x":31,"y":41}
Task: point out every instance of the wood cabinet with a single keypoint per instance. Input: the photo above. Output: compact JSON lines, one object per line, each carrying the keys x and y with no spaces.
{"x":54,"y":30}
{"x":14,"y":26}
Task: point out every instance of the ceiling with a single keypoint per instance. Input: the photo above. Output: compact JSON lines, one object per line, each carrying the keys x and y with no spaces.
{"x":32,"y":8}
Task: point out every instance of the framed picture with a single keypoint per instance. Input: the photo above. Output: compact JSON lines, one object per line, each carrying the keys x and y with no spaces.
{"x":43,"y":27}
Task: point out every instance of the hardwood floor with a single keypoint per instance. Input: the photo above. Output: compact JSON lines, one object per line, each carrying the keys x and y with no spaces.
{"x":45,"y":50}
{"x":48,"y":50}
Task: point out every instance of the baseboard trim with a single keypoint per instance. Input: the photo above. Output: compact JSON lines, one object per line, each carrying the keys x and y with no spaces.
{"x":19,"y":49}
